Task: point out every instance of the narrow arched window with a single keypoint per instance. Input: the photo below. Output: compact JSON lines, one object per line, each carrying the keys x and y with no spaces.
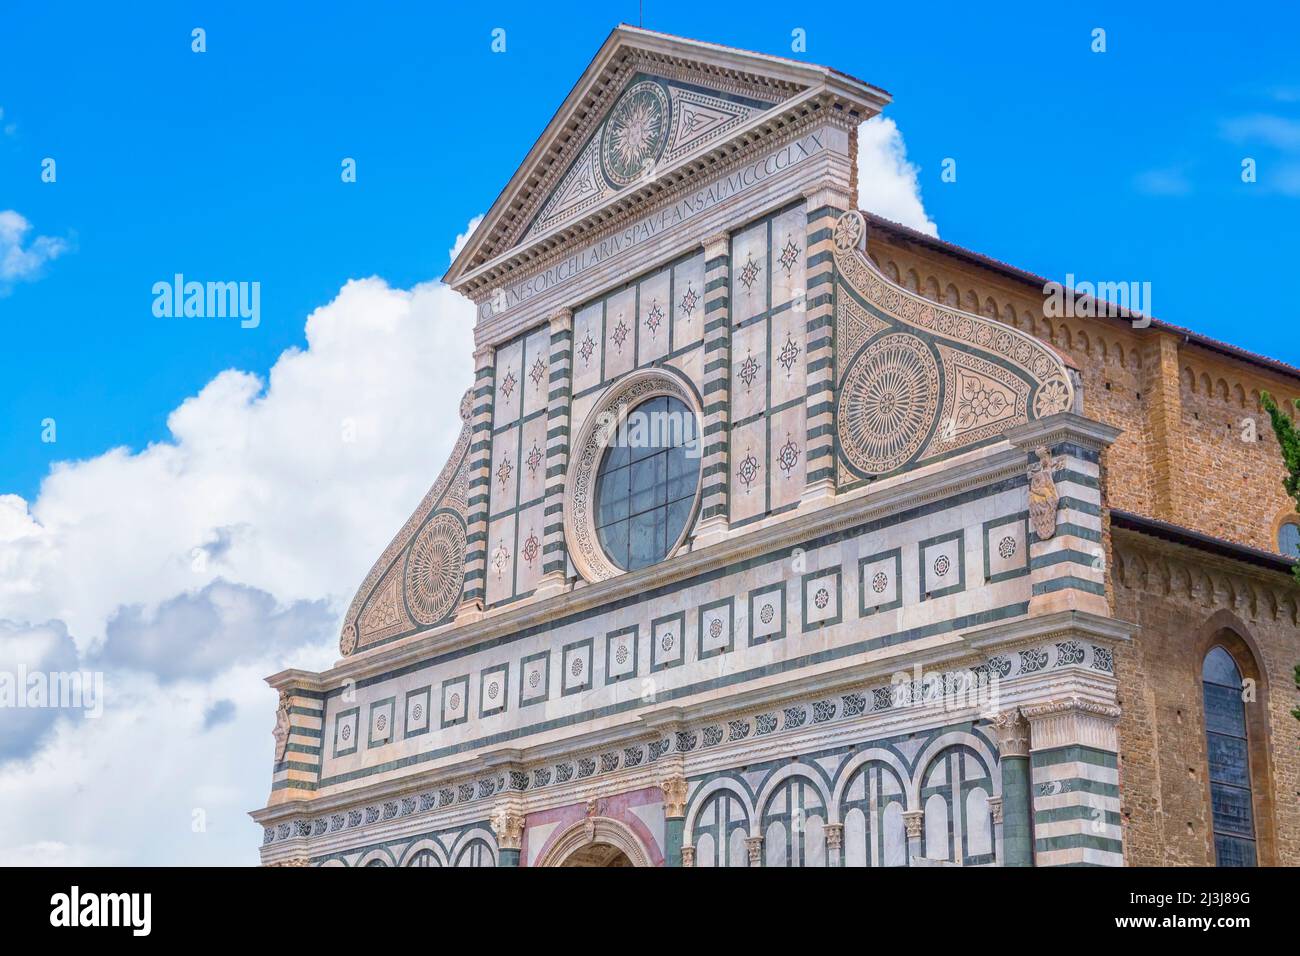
{"x":1229,"y":760}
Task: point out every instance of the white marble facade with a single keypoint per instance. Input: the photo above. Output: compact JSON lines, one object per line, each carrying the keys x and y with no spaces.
{"x":823,"y":668}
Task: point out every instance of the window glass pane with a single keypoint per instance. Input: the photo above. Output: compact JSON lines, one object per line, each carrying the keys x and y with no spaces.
{"x":1232,"y":813}
{"x":1288,"y":539}
{"x":1233,"y":851}
{"x":1228,"y":760}
{"x":613,"y":539}
{"x":1224,"y":712}
{"x":645,"y":492}
{"x":644,"y":545}
{"x":612,"y":495}
{"x":647,"y":476}
{"x":1220,"y":668}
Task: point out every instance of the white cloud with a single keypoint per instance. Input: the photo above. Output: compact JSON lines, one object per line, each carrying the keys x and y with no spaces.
{"x":21,"y":262}
{"x":887,"y":182}
{"x":191,"y":569}
{"x":1163,"y":182}
{"x":1279,"y":132}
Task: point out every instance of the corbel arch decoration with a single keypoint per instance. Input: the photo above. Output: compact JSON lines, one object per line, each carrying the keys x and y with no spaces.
{"x":918,"y":381}
{"x":599,"y":428}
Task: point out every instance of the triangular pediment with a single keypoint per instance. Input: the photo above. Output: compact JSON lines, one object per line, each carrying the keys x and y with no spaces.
{"x":648,"y":108}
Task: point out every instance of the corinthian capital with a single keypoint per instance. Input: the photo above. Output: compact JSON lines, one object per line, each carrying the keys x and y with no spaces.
{"x":1013,"y":733}
{"x":674,"y":789}
{"x":508,"y":825}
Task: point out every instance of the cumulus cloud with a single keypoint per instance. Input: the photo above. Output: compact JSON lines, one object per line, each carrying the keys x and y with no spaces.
{"x":887,"y":182}
{"x":23,"y":260}
{"x":28,"y":655}
{"x":199,"y":635}
{"x":218,"y":713}
{"x":192,"y":568}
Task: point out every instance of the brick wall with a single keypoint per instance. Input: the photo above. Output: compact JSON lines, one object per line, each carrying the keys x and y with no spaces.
{"x":1182,"y":602}
{"x":1182,"y":408}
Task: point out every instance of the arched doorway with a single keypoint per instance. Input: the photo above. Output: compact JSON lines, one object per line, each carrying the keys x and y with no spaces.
{"x":597,"y":854}
{"x":597,"y":841}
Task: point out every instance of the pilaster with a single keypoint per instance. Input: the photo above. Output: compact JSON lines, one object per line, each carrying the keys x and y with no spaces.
{"x":674,"y":789}
{"x":1075,"y":778}
{"x":554,"y":547}
{"x":298,"y":732}
{"x":825,"y":206}
{"x":474,"y":591}
{"x":1164,"y":409}
{"x":1067,"y":568}
{"x":715,"y":510}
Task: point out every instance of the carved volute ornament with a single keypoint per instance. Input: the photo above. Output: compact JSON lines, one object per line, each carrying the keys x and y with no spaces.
{"x":508,"y":825}
{"x":1043,"y":496}
{"x":1013,"y":733}
{"x":913,"y":820}
{"x":281,"y":732}
{"x":674,"y":789}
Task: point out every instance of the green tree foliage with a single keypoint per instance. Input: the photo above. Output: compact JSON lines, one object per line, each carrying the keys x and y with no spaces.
{"x":1289,"y":438}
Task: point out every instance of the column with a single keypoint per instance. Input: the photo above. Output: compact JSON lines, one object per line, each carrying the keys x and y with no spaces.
{"x":1013,"y":754}
{"x":554,"y":547}
{"x":508,"y":825}
{"x":913,"y":821}
{"x":1074,"y":767}
{"x":825,"y":205}
{"x":674,"y":789}
{"x":715,"y":509}
{"x":474,"y":591}
{"x":834,"y":844}
{"x":755,"y":847}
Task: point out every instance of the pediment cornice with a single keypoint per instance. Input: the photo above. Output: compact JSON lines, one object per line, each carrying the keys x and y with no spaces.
{"x":502,"y":244}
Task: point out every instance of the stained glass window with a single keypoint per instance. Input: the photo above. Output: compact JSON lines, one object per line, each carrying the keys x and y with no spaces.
{"x":1229,"y":759}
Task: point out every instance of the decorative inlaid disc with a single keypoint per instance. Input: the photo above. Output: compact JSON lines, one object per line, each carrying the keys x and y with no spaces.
{"x":635,"y":133}
{"x":435,"y":569}
{"x":887,"y":404}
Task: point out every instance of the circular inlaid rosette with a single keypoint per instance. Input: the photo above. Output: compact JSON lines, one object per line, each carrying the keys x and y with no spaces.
{"x":435,"y":569}
{"x":635,"y":133}
{"x":888,"y":403}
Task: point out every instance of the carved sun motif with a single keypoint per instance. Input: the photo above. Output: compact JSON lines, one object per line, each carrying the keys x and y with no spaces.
{"x":635,"y":133}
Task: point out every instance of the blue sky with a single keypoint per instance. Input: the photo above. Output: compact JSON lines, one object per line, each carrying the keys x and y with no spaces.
{"x":225,"y":165}
{"x":201,"y":520}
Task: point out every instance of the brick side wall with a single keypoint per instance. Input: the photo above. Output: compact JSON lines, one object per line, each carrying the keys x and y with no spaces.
{"x":1182,"y":408}
{"x":1183,"y":602}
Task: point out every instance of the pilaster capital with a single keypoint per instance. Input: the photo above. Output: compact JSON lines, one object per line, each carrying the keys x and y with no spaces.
{"x":674,"y":790}
{"x":484,"y":356}
{"x":995,"y":809}
{"x":562,"y":321}
{"x":834,"y":836}
{"x":1013,"y":733}
{"x":718,"y":244}
{"x":688,"y":856}
{"x":755,"y":847}
{"x":508,"y":825}
{"x":912,"y":820}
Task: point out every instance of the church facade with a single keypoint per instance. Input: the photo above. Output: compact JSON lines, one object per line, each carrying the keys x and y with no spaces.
{"x":778,"y":534}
